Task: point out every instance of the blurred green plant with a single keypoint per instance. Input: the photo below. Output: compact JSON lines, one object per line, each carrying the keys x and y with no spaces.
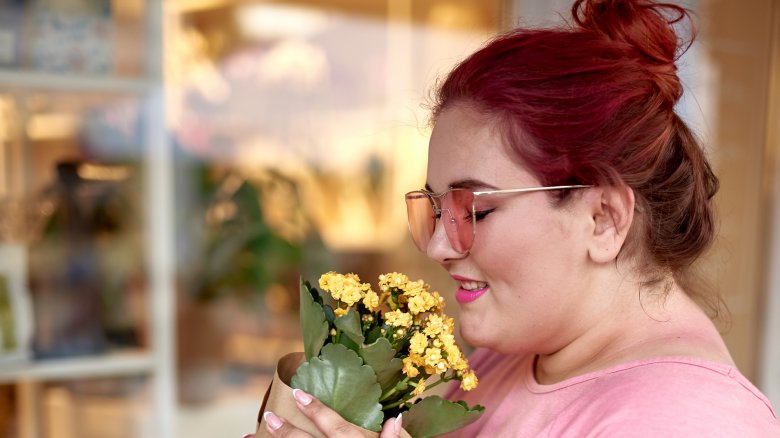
{"x":243,"y":254}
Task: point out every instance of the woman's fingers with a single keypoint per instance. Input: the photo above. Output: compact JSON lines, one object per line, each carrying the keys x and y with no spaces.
{"x":327,"y":420}
{"x":392,"y":428}
{"x":277,"y":427}
{"x":330,"y":423}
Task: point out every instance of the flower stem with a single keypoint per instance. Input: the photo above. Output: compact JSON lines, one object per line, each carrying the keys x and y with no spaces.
{"x":405,"y":399}
{"x":438,"y":382}
{"x":395,"y":404}
{"x":392,"y":390}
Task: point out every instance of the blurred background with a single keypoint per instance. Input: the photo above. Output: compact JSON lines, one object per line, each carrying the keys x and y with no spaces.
{"x":169,"y":169}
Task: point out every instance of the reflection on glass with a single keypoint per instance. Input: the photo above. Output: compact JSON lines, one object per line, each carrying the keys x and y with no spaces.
{"x":83,"y":269}
{"x":93,"y":37}
{"x":326,"y":94}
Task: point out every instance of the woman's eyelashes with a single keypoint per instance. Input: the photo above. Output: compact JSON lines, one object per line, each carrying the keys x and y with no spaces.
{"x":482,"y":214}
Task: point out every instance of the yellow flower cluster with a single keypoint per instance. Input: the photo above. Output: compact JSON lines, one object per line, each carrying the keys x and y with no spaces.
{"x":416,"y":295}
{"x":433,"y":351}
{"x":397,"y":318}
{"x":432,"y":348}
{"x":349,"y":290}
{"x":410,"y":309}
{"x":468,"y":381}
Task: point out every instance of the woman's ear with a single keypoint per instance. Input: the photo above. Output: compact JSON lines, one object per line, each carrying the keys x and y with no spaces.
{"x":612,"y":212}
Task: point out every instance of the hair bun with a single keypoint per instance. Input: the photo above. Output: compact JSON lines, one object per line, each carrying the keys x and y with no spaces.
{"x":646,"y":27}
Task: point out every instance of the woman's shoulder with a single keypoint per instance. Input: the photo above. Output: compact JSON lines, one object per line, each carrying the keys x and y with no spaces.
{"x":679,"y":395}
{"x":697,"y":376}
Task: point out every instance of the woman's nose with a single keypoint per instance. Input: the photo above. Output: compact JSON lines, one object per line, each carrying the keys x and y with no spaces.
{"x":439,"y":247}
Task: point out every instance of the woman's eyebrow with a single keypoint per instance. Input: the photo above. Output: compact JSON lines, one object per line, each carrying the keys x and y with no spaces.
{"x":468,"y":183}
{"x":471,"y":183}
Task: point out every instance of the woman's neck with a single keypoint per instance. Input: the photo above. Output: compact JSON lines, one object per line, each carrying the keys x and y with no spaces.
{"x":652,"y":324}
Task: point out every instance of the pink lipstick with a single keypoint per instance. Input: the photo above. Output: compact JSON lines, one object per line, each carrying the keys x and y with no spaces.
{"x":468,"y":295}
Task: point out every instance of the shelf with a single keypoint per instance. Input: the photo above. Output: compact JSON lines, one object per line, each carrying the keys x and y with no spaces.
{"x":20,"y":79}
{"x":128,"y":363}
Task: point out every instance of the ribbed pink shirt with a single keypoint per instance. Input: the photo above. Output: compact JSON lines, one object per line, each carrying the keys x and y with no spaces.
{"x":661,"y":397}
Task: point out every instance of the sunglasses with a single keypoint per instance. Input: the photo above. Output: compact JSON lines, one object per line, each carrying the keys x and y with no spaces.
{"x":457,"y":209}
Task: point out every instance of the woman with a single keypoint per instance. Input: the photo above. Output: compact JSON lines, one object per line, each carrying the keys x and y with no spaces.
{"x":568,"y":200}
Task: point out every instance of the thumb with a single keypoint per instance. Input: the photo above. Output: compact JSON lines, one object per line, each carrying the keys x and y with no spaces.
{"x":392,"y":427}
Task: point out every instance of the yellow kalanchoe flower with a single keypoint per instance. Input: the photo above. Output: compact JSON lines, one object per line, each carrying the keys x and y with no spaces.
{"x":423,"y":302}
{"x":392,"y":279}
{"x":421,"y":333}
{"x":434,"y":326}
{"x":447,"y":338}
{"x":409,"y":367}
{"x":432,"y":356}
{"x":454,"y":355}
{"x":351,"y":295}
{"x":416,"y":305}
{"x":469,"y":381}
{"x":417,"y":359}
{"x":439,"y":300}
{"x":414,"y":288}
{"x":345,"y":288}
{"x":371,"y":301}
{"x":331,"y":282}
{"x":418,"y":343}
{"x":460,"y":366}
{"x":420,"y":388}
{"x":398,"y":318}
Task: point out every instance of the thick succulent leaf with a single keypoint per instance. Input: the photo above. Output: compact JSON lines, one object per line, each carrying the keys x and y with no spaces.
{"x":339,"y":379}
{"x":349,"y":343}
{"x":313,"y":291}
{"x":433,"y":416}
{"x":349,"y":324}
{"x":314,"y":325}
{"x":380,"y":356}
{"x":373,"y":334}
{"x":378,"y":353}
{"x":391,"y":374}
{"x":329,"y":314}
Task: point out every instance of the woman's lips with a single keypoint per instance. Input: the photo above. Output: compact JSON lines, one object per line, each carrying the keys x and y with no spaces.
{"x":466,"y":296}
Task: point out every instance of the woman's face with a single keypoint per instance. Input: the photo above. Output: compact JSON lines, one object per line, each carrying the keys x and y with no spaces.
{"x":527,"y":266}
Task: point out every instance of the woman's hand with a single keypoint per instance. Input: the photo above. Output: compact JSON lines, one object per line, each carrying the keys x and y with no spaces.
{"x":327,"y":421}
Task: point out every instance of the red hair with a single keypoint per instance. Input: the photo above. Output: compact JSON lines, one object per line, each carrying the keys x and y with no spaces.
{"x":593,"y":102}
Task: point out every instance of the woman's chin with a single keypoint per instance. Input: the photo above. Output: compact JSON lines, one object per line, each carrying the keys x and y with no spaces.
{"x":472,"y":335}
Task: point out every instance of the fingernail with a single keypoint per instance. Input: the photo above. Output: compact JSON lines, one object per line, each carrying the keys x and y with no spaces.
{"x":397,"y":424}
{"x":272,"y":420}
{"x":302,"y":397}
{"x":249,"y":435}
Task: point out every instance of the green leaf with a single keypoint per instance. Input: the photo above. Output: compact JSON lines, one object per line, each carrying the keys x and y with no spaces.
{"x":349,"y":324}
{"x":380,"y":356}
{"x":373,"y":334}
{"x":401,"y":386}
{"x":329,"y":314}
{"x":314,"y":325}
{"x":349,"y":343}
{"x":339,"y":379}
{"x":433,"y":416}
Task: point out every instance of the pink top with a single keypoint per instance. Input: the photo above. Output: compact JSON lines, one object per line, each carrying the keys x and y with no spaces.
{"x":666,"y":396}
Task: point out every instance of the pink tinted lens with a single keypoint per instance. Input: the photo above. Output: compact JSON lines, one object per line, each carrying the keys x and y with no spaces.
{"x":457,"y":220}
{"x":422,"y":220}
{"x":455,"y":217}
